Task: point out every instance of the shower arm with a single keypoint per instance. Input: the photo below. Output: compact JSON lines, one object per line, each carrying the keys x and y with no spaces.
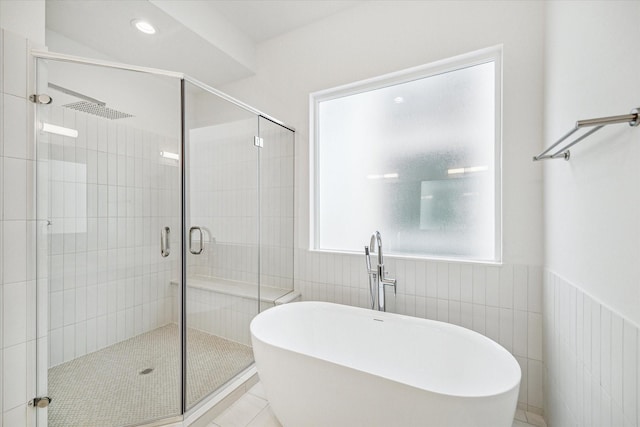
{"x":76,"y":94}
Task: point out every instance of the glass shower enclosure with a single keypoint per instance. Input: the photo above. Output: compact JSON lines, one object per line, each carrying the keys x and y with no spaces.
{"x":164,"y":225}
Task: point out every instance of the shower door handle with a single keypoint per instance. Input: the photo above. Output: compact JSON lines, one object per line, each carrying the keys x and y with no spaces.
{"x":199,"y":250}
{"x":165,"y":248}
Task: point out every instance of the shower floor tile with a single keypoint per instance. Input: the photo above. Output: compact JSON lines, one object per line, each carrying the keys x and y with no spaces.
{"x":110,"y":387}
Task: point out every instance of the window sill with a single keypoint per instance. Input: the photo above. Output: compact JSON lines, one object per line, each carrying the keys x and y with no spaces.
{"x":411,"y":257}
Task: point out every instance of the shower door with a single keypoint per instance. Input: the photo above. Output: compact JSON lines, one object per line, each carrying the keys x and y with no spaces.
{"x":222,"y":271}
{"x":108,"y":228}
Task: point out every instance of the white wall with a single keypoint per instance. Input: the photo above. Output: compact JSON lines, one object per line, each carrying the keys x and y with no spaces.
{"x":204,"y":19}
{"x":381,"y":37}
{"x":592,"y":216}
{"x":592,"y":203}
{"x":374,"y":38}
{"x":26,"y":18}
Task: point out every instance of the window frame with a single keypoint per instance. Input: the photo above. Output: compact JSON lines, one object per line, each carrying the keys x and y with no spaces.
{"x":491,"y":54}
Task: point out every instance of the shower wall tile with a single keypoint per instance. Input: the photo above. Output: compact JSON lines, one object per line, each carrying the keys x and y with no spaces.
{"x":15,"y":126}
{"x":220,"y":314}
{"x":105,"y":264}
{"x":590,"y":373}
{"x":506,"y":286}
{"x":15,"y":376}
{"x":14,"y":310}
{"x":225,"y":195}
{"x":492,"y":300}
{"x":630,"y":363}
{"x":14,"y":251}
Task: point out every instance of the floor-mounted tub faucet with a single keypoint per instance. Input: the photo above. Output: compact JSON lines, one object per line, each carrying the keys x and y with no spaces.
{"x":377,"y":276}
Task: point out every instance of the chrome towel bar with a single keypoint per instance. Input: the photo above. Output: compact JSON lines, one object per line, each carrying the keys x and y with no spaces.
{"x":632,"y":118}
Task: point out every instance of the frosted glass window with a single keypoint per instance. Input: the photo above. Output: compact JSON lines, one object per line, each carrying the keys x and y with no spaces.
{"x":416,"y":159}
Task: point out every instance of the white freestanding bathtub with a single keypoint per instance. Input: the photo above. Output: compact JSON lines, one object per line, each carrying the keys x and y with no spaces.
{"x":326,"y":364}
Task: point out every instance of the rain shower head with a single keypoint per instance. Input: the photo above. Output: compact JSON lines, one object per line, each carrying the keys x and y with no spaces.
{"x":97,"y":110}
{"x":90,"y":105}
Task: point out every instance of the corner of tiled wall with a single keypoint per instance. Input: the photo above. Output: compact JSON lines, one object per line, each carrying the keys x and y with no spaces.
{"x":592,"y":363}
{"x":17,"y":242}
{"x":502,"y":302}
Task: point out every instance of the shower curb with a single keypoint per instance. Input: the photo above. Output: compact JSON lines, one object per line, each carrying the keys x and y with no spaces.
{"x":204,"y":414}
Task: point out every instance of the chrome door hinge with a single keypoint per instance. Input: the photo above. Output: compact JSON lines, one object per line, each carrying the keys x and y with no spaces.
{"x":41,"y":99}
{"x":258,"y":142}
{"x":40,"y":402}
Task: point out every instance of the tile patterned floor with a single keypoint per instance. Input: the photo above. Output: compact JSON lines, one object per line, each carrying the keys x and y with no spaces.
{"x":252,"y":410}
{"x":105,"y":388}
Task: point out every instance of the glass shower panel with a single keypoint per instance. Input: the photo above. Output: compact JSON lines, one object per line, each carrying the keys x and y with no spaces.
{"x":107,"y":187}
{"x":276,"y":212}
{"x":222,"y":240}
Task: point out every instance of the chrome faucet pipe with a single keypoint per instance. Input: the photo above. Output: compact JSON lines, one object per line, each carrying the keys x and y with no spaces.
{"x":379,"y":273}
{"x":376,"y":246}
{"x":371,"y":274}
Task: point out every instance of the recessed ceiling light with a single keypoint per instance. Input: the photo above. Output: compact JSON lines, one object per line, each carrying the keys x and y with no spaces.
{"x":143,"y":26}
{"x":398,"y":100}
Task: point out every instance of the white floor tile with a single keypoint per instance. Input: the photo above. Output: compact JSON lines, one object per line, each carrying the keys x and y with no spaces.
{"x":241,"y":412}
{"x":265,"y":418}
{"x":253,"y":410}
{"x":258,"y":390}
{"x":535,"y":419}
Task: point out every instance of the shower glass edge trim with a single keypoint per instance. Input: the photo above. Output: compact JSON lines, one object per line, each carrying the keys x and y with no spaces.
{"x":42,"y":54}
{"x":183,"y":253}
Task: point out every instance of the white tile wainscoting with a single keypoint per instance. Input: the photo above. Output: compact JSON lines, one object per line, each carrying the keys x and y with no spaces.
{"x":592,"y":364}
{"x":501,"y":302}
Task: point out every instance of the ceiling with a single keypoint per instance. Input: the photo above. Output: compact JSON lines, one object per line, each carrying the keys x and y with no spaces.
{"x":213,"y":41}
{"x":264,"y":19}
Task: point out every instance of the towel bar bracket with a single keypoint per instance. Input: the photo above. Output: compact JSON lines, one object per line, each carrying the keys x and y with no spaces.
{"x":633,"y":118}
{"x":635,"y":122}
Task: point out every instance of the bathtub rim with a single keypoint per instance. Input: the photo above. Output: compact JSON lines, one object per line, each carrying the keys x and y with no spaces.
{"x":496,"y":392}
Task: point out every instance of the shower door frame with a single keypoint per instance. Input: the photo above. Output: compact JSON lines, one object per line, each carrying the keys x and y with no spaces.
{"x":37,"y":54}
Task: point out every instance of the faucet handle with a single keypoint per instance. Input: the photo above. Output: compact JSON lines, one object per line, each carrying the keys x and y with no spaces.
{"x":395,"y":291}
{"x":389,"y":282}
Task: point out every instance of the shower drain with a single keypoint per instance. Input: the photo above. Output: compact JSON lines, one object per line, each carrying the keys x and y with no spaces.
{"x":145,"y":371}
